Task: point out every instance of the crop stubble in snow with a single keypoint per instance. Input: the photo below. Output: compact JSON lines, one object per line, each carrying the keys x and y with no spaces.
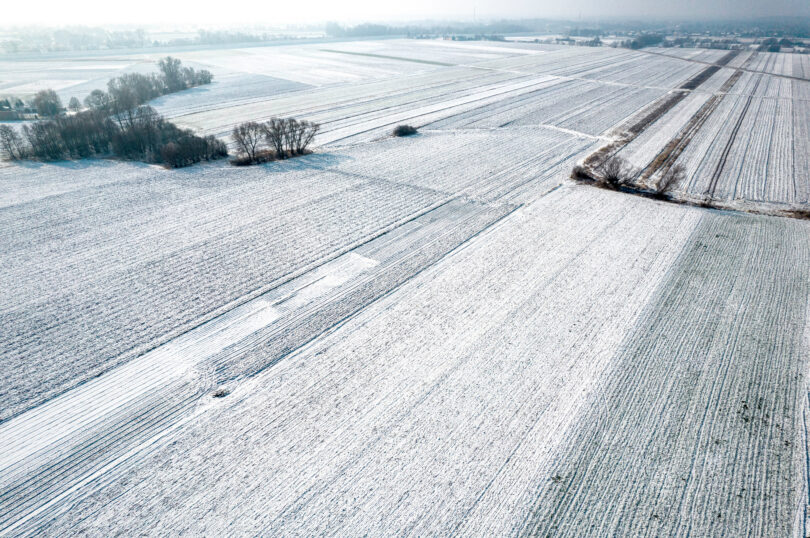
{"x":97,"y":272}
{"x":423,"y":413}
{"x":591,"y":363}
{"x":700,"y":427}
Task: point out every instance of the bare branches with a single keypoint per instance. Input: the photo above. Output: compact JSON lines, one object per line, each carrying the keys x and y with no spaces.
{"x":12,"y":143}
{"x":284,"y":137}
{"x":274,"y":130}
{"x":248,"y":137}
{"x":614,"y":172}
{"x":300,"y":135}
{"x":673,"y":177}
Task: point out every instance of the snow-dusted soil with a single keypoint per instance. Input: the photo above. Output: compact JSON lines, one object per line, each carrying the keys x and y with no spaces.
{"x":698,"y":421}
{"x":750,"y":146}
{"x":97,"y":275}
{"x":638,"y":380}
{"x":431,"y":335}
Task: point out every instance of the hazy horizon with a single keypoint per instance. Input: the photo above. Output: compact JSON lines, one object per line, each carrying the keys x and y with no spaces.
{"x":250,"y":12}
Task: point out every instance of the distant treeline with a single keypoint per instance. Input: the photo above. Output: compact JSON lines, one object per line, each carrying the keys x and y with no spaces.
{"x":123,"y":93}
{"x":798,"y":27}
{"x":29,"y":40}
{"x":34,"y":39}
{"x":139,"y":134}
{"x":644,"y":40}
{"x":115,"y":122}
{"x":37,"y":39}
{"x":371,"y":30}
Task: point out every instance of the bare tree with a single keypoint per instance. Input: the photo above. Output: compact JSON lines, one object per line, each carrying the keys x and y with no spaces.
{"x":248,"y":137}
{"x":45,"y":140}
{"x":123,"y":101}
{"x":74,"y":104}
{"x":673,"y":177}
{"x":305,"y":132}
{"x":274,"y":133}
{"x":98,"y":99}
{"x":172,"y":74}
{"x":310,"y":130}
{"x":288,"y":136}
{"x":11,"y":142}
{"x":47,"y":103}
{"x":614,"y":171}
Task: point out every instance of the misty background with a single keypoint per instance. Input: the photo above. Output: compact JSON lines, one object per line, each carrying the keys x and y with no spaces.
{"x":214,"y":12}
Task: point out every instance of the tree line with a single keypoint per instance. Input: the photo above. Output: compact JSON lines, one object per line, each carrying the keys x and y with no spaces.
{"x":277,"y":138}
{"x":138,"y":134}
{"x":123,"y":93}
{"x":117,"y":122}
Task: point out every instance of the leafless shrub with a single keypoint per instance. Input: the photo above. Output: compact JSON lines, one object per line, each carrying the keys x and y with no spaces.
{"x":614,"y":172}
{"x":248,"y":137}
{"x":404,"y":130}
{"x":581,"y":173}
{"x":45,"y":140}
{"x":673,"y":177}
{"x":12,"y":143}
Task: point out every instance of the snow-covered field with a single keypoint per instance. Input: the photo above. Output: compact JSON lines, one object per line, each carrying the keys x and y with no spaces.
{"x":741,"y":135}
{"x":432,"y":335}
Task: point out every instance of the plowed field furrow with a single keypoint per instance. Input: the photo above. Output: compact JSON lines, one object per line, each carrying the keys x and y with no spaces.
{"x":703,"y":406}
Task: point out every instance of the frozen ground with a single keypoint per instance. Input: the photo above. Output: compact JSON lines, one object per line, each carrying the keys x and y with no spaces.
{"x":432,"y":335}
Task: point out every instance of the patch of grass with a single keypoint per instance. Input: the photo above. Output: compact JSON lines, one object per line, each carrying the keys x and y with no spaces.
{"x":799,"y":213}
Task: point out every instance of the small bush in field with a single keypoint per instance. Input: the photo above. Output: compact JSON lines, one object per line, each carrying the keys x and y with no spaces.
{"x":404,"y":130}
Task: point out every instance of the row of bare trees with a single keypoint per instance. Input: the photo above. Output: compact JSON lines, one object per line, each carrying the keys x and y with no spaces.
{"x":117,"y":122}
{"x":129,"y":90}
{"x":614,"y":172}
{"x":123,"y":93}
{"x":277,"y":138}
{"x":141,"y":134}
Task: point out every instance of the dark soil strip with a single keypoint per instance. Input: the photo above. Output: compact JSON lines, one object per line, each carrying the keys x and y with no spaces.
{"x":665,"y":105}
{"x":667,"y":157}
{"x":704,"y":75}
{"x":744,"y":67}
{"x":384,"y":57}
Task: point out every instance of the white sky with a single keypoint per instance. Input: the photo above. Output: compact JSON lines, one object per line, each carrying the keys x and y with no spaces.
{"x":271,"y":12}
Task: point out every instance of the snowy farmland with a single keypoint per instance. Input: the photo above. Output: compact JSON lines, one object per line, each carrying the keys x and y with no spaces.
{"x":431,"y":335}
